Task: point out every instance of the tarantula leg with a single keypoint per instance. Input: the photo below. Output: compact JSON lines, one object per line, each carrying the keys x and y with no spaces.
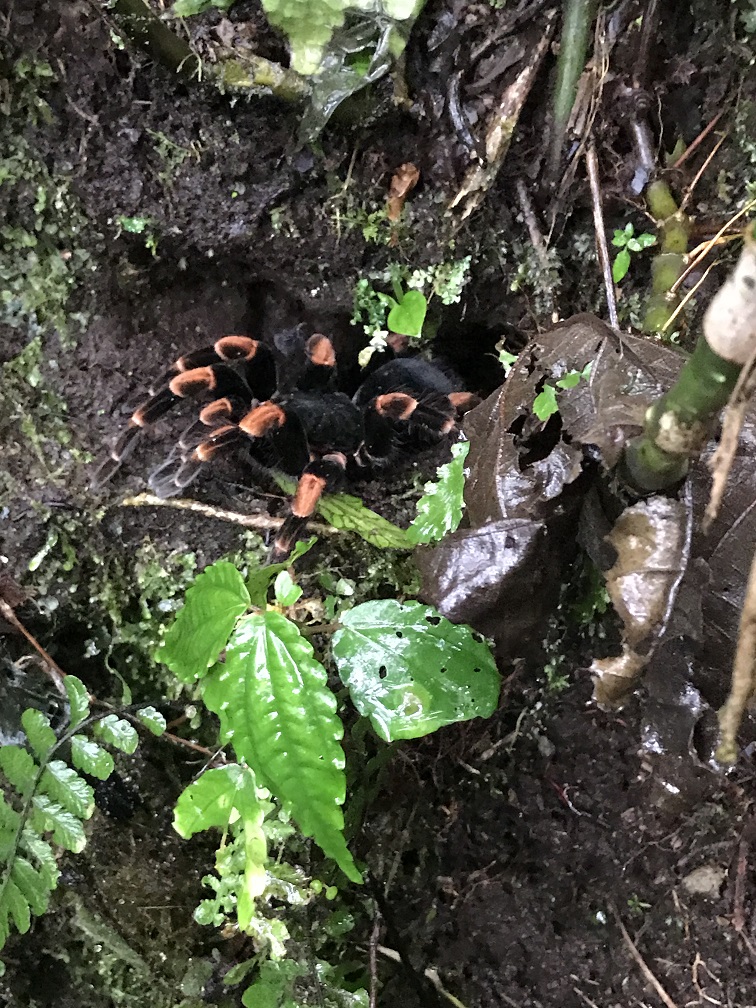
{"x":219,"y":413}
{"x":387,"y":415}
{"x":257,"y":363}
{"x":179,"y":470}
{"x":320,"y":475}
{"x":320,"y":369}
{"x":463,"y":402}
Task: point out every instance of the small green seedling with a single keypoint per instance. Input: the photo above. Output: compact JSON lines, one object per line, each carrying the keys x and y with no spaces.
{"x":627,"y":241}
{"x":407,"y":310}
{"x":545,"y":403}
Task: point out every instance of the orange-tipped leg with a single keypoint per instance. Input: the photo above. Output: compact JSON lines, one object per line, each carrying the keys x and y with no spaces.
{"x":319,"y":476}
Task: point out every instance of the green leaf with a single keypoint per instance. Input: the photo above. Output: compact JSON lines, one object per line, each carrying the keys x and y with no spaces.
{"x":255,"y":858}
{"x":439,"y":510}
{"x":211,"y":799}
{"x":78,"y":699}
{"x":646,"y":240}
{"x":44,"y":855}
{"x":620,"y":266}
{"x":32,"y":884}
{"x":17,"y":906}
{"x":199,"y":633}
{"x":19,"y":768}
{"x":118,"y":733}
{"x":65,"y":787}
{"x":91,"y":758}
{"x":39,"y":734}
{"x":570,"y":380}
{"x":9,"y":822}
{"x":66,"y":829}
{"x":545,"y":403}
{"x":187,"y":8}
{"x":259,"y":581}
{"x":152,"y":720}
{"x":411,"y":671}
{"x":344,"y":511}
{"x":285,"y":590}
{"x":407,"y":317}
{"x":273,"y":700}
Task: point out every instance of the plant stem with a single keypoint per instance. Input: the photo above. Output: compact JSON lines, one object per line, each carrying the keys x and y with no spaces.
{"x":668,"y":265}
{"x":577,"y":17}
{"x":147,"y":30}
{"x":677,"y":425}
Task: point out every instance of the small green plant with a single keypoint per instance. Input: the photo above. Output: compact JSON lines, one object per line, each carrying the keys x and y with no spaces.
{"x":636,"y":906}
{"x":140,"y":225}
{"x":545,"y":403}
{"x":439,"y":510}
{"x":408,"y":670}
{"x":47,"y":801}
{"x":628,"y":242}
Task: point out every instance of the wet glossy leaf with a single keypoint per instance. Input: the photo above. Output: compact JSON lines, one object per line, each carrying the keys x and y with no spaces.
{"x":259,"y":580}
{"x":78,"y":699}
{"x":199,"y":633}
{"x":152,"y":720}
{"x":65,"y":787}
{"x":91,"y":758}
{"x":211,"y":799}
{"x":66,"y":829}
{"x":39,"y":734}
{"x":439,"y":510}
{"x":273,"y":701}
{"x":545,"y":403}
{"x":285,"y":590}
{"x":118,"y":733}
{"x":411,"y":671}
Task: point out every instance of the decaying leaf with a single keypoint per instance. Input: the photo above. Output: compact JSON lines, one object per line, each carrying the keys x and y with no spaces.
{"x":403,"y":181}
{"x":651,"y":546}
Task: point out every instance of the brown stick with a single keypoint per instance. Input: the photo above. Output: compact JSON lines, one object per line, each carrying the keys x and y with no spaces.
{"x":645,"y":970}
{"x":591,"y":163}
{"x":54,"y":671}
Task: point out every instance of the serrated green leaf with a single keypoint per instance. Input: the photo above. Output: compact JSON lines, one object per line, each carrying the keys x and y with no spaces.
{"x":344,"y":511}
{"x":259,"y":581}
{"x":9,"y":822}
{"x":78,"y":699}
{"x":545,"y":403}
{"x":17,"y":906}
{"x":408,"y":316}
{"x":65,"y":787}
{"x":411,"y":671}
{"x":49,"y":817}
{"x":199,"y":633}
{"x":272,"y":697}
{"x":40,"y":735}
{"x":32,"y":885}
{"x":210,"y":800}
{"x":118,"y":733}
{"x":439,"y":510}
{"x":44,"y":855}
{"x":91,"y":758}
{"x":19,"y":768}
{"x":152,"y":720}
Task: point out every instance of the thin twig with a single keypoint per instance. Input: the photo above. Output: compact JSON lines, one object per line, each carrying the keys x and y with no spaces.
{"x":689,"y":294}
{"x":701,"y":136}
{"x":54,"y":671}
{"x":262,"y":523}
{"x":703,"y":250}
{"x":374,"y":936}
{"x":701,"y":170}
{"x":645,"y":970}
{"x":738,"y":907}
{"x":591,"y":161}
{"x":743,"y":676}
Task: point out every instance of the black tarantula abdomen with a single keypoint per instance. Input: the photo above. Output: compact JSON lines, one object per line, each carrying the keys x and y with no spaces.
{"x":316,"y":433}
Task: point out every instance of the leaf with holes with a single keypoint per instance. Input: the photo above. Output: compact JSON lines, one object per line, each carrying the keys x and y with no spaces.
{"x":439,"y":510}
{"x":199,"y":633}
{"x":273,"y":701}
{"x":91,"y":758}
{"x":411,"y":671}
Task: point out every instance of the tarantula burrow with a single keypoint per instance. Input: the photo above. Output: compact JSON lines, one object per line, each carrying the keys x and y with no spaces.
{"x":316,"y":432}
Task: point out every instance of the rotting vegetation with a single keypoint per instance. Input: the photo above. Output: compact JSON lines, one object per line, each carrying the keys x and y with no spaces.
{"x":537,"y":787}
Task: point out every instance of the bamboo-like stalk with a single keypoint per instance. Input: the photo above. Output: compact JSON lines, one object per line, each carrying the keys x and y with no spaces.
{"x":677,"y":426}
{"x":668,"y":265}
{"x":577,"y":18}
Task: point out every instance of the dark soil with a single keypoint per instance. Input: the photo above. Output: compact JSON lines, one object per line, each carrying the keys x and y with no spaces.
{"x":508,"y":855}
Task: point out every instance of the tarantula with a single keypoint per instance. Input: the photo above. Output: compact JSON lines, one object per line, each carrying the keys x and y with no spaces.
{"x":316,"y":433}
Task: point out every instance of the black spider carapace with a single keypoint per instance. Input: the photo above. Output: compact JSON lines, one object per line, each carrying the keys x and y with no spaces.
{"x":316,"y":433}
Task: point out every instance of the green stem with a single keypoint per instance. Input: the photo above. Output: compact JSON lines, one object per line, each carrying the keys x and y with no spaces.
{"x":573,"y":47}
{"x":668,"y":265}
{"x":147,"y":30}
{"x":677,"y":425}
